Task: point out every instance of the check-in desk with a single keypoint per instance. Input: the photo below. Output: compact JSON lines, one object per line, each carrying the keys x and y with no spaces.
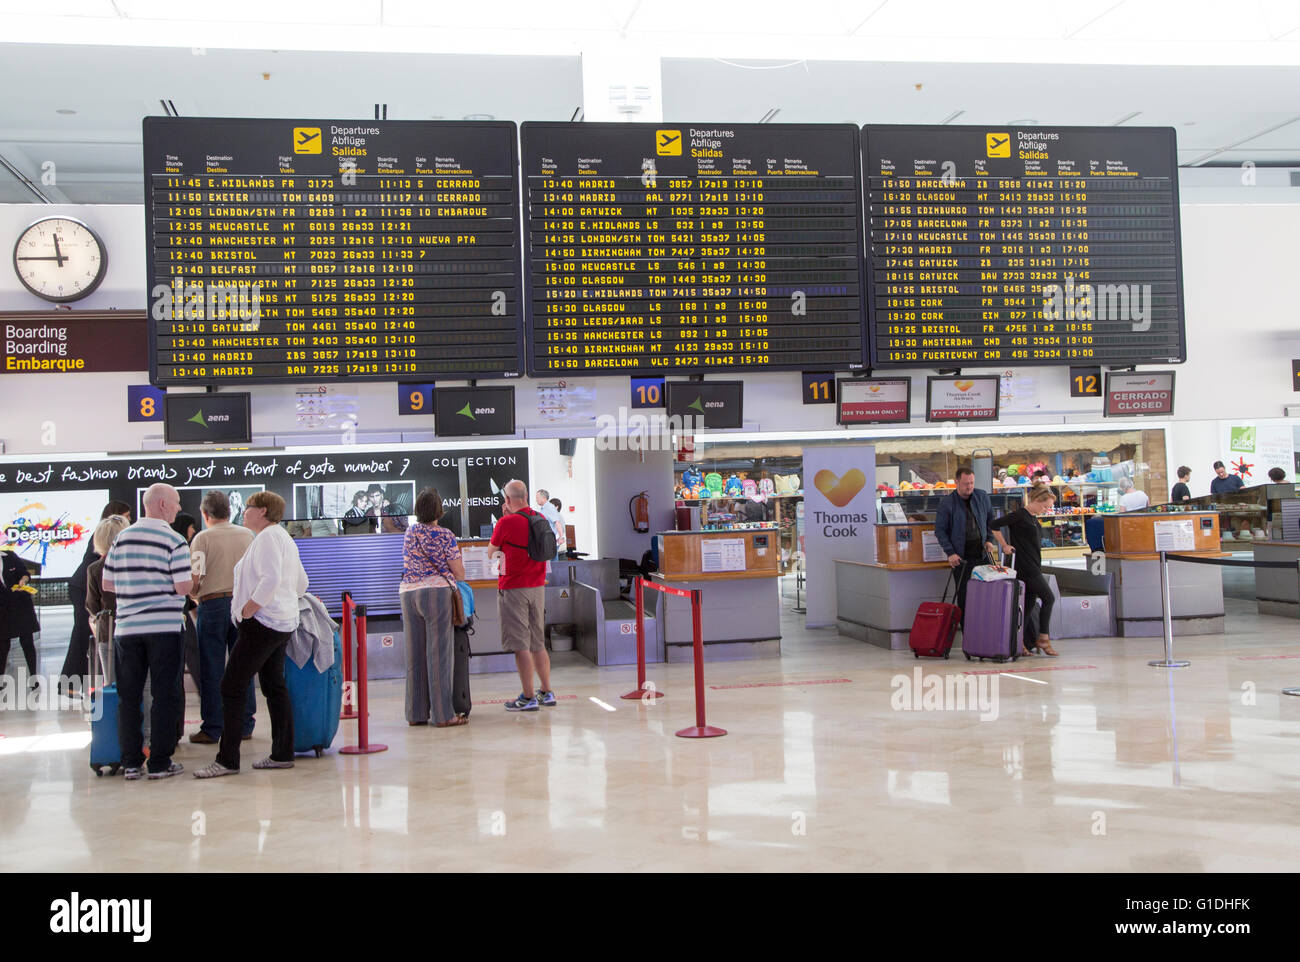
{"x":1132,"y":543}
{"x":876,"y":601}
{"x":738,"y":575}
{"x":1277,"y":590}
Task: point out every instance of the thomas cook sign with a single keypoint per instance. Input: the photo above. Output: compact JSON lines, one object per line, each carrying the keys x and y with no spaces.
{"x":839,"y":518}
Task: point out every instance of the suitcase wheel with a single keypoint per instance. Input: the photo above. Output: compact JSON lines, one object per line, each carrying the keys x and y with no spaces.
{"x":947,"y":654}
{"x":114,"y":769}
{"x":916,"y":654}
{"x":967,"y":656}
{"x":98,"y":770}
{"x":318,"y":752}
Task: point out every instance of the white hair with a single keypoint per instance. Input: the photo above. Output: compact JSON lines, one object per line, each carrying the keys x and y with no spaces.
{"x":1125,"y":484}
{"x":156,"y":494}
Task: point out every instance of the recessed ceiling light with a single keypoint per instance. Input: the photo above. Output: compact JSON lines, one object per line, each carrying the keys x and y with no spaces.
{"x":478,"y":117}
{"x":66,"y":111}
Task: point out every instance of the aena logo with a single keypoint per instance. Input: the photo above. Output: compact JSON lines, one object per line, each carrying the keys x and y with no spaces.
{"x":202,"y":421}
{"x":470,"y":412}
{"x":839,"y":491}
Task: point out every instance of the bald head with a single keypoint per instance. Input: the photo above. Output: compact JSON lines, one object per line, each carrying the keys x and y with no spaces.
{"x":161,"y":501}
{"x":516,"y":495}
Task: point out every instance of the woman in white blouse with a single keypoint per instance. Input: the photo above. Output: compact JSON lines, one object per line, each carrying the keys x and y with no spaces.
{"x":269,"y":580}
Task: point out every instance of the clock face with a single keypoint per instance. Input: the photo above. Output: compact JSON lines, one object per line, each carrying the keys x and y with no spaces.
{"x":60,"y":259}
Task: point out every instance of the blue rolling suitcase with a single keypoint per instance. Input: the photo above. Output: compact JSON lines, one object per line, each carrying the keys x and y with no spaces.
{"x":317,"y":701}
{"x":105,"y":750}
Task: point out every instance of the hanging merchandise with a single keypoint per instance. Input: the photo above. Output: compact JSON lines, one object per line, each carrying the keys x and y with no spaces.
{"x":733,"y":488}
{"x":713,"y":484}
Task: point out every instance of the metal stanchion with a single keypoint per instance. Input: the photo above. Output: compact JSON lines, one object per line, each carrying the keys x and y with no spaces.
{"x":1293,"y":691}
{"x":798,"y":608}
{"x":640,"y":690}
{"x":1168,"y":661}
{"x":349,"y":689}
{"x":363,"y":747}
{"x":700,"y":728}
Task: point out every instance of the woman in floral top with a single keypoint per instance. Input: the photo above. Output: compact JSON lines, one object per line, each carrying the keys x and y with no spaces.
{"x":430,"y":567}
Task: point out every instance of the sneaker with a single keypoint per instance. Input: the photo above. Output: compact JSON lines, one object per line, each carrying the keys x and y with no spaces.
{"x":522,"y":703}
{"x":269,"y":762}
{"x":175,"y":768}
{"x":202,"y":738}
{"x":131,"y":774}
{"x":214,"y":770}
{"x":546,"y":698}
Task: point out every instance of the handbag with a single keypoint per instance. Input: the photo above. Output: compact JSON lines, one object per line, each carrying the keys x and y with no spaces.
{"x":458,"y":617}
{"x":992,"y":573}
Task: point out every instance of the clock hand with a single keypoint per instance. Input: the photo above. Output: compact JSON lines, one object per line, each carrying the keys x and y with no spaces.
{"x":57,"y":252}
{"x":59,"y":259}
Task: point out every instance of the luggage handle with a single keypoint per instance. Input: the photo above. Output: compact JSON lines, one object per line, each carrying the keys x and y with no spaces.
{"x":950,"y":580}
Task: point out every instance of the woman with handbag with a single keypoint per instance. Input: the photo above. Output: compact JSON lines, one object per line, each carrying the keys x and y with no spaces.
{"x":1025,"y":535}
{"x":431,"y":609}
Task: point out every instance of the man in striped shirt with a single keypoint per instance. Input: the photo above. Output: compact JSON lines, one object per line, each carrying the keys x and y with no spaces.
{"x":148,"y":568}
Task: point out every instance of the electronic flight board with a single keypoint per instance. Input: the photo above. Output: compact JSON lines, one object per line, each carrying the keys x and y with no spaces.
{"x":287,"y":249}
{"x":1010,"y":246}
{"x":692,"y":248}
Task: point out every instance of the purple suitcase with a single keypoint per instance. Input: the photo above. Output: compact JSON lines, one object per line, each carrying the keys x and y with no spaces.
{"x":994,"y":620}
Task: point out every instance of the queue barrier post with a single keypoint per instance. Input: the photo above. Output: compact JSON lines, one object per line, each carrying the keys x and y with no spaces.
{"x":640,"y":691}
{"x":1168,"y":660}
{"x":700,"y":729}
{"x":1294,"y":691}
{"x":363,"y":746}
{"x":349,"y":691}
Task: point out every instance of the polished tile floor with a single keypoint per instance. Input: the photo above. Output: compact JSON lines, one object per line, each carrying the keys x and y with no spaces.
{"x":1100,"y":764}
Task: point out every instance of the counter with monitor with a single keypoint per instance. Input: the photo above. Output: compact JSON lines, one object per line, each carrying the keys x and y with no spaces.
{"x":1133,"y":542}
{"x":738,"y":576}
{"x":876,"y":601}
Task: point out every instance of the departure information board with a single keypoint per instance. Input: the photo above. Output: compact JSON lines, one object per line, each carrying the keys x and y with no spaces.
{"x":693,"y":247}
{"x":1023,"y":245}
{"x":287,"y":249}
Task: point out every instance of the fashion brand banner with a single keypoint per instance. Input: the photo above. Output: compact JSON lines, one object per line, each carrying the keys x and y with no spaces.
{"x":839,"y":518}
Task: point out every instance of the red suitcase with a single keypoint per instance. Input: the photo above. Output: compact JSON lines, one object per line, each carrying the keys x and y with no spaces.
{"x":935,"y":625}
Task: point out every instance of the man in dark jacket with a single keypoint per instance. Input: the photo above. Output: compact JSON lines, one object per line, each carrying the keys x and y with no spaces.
{"x":962,"y":529}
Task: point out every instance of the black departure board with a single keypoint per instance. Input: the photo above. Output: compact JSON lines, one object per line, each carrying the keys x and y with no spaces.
{"x":283,"y":250}
{"x":1009,"y":246}
{"x":693,"y":247}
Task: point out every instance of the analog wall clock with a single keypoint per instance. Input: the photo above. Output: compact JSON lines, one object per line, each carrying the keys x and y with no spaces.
{"x":60,"y":259}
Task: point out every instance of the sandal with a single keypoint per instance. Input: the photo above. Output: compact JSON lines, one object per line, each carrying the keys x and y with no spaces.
{"x":1045,"y":646}
{"x":458,"y":720}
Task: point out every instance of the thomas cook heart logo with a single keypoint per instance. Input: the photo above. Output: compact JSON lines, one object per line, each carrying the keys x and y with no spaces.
{"x":839,"y":491}
{"x":963,"y":385}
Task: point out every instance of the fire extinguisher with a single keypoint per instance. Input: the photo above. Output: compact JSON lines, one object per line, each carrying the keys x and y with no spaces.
{"x":639,"y":509}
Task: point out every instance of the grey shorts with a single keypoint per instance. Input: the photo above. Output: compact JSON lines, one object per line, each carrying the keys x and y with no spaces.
{"x":523,"y":618}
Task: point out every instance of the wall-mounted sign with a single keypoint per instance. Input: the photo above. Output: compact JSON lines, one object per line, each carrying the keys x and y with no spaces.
{"x":963,"y":398}
{"x":1145,"y":394}
{"x":877,"y":400}
{"x":65,"y":342}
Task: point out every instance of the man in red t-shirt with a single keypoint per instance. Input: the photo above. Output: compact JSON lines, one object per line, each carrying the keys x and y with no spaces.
{"x":521,"y":599}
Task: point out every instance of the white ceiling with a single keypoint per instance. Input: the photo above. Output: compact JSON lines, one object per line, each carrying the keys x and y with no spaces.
{"x":1224,"y":115}
{"x":96,"y":152}
{"x":1254,"y":111}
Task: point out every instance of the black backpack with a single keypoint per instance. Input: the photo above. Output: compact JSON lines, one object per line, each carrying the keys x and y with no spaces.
{"x":541,"y":538}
